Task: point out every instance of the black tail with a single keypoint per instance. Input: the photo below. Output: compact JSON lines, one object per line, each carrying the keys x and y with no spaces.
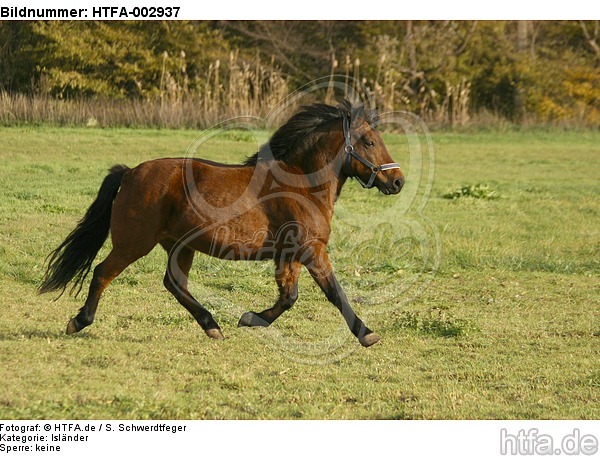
{"x":74,"y":257}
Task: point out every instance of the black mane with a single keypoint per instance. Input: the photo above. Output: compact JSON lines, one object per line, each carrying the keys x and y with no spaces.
{"x":294,"y":133}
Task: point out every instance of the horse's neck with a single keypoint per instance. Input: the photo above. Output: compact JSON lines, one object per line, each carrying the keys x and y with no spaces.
{"x":322,"y":167}
{"x":320,"y":154}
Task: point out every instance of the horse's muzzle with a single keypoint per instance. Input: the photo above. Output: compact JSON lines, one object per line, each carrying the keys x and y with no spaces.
{"x":393,"y":186}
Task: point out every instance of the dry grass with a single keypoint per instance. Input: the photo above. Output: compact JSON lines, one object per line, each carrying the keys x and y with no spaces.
{"x":239,"y":88}
{"x":234,"y":89}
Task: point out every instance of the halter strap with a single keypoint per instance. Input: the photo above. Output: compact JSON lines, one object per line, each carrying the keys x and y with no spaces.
{"x":351,"y":152}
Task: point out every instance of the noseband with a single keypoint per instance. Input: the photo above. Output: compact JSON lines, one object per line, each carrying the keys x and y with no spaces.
{"x":351,"y":152}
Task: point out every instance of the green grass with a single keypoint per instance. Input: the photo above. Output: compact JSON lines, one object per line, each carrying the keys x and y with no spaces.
{"x":503,"y":324}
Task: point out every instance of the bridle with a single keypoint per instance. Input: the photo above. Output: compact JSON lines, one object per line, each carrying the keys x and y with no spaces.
{"x":351,"y":152}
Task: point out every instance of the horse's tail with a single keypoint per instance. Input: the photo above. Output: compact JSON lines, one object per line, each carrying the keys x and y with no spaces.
{"x":74,"y":257}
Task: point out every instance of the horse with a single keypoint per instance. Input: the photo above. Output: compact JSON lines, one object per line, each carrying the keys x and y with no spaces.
{"x":277,"y":205}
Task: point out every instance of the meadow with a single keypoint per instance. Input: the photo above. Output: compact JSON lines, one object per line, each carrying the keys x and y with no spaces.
{"x":485,"y":292}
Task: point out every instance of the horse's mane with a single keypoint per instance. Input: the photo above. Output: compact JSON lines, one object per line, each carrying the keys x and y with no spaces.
{"x":293,"y":135}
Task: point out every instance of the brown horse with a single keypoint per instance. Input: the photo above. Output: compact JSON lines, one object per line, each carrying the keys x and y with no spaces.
{"x":278,"y":205}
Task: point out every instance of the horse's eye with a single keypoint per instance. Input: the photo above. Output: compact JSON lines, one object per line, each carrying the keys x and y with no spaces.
{"x":370,"y":143}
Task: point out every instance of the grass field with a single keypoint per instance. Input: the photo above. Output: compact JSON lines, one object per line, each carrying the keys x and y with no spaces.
{"x":503,"y":322}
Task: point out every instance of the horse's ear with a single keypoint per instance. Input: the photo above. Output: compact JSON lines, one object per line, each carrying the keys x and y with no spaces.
{"x":358,"y":116}
{"x":373,"y":118}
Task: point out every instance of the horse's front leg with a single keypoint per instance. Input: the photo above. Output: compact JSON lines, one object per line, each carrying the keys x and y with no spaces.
{"x":320,"y":269}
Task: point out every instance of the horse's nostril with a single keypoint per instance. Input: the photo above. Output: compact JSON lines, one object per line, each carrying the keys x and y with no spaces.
{"x":399,"y":183}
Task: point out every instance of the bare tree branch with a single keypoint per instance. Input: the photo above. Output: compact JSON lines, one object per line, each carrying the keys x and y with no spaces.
{"x":465,"y":42}
{"x":281,"y":39}
{"x":410,"y":42}
{"x":591,"y":39}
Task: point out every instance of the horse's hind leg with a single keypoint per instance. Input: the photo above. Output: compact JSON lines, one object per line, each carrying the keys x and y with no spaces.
{"x":104,"y":274}
{"x":176,"y":281}
{"x":287,"y":282}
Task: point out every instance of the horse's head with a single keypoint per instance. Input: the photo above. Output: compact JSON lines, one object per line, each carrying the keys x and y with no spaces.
{"x":366,"y":157}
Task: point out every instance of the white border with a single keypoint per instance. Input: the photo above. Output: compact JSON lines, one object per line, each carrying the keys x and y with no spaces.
{"x":266,"y":438}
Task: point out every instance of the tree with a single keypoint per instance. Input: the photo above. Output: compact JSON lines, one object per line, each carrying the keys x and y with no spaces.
{"x":107,"y":59}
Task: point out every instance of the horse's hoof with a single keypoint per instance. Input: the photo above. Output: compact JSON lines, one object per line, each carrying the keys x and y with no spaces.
{"x":215,"y":333}
{"x":369,"y":339}
{"x":72,"y":327}
{"x":251,"y":319}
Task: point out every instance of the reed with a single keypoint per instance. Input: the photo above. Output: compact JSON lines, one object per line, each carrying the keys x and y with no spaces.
{"x":395,"y":88}
{"x":234,"y":88}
